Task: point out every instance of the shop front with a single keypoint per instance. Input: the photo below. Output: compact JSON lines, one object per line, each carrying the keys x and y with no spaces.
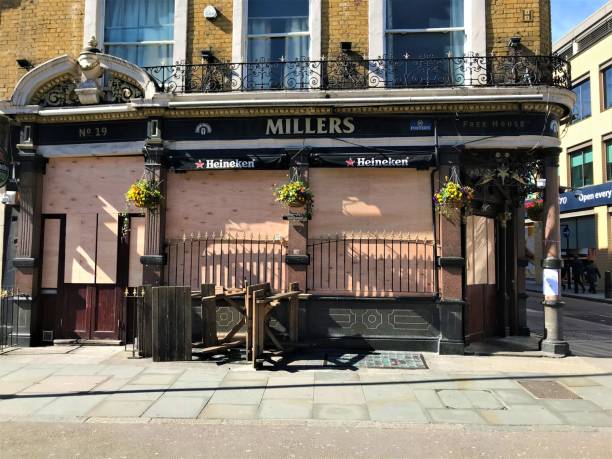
{"x":381,"y":267}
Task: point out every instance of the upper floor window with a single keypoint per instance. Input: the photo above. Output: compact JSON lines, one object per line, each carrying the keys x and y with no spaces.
{"x":607,"y":87}
{"x":278,"y":32}
{"x":581,"y":164}
{"x":140,"y":31}
{"x":608,"y":153}
{"x":425,"y":28}
{"x":582,"y":108}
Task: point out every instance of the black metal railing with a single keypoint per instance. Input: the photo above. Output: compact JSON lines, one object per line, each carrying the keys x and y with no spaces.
{"x":13,"y":327}
{"x":347,"y":73}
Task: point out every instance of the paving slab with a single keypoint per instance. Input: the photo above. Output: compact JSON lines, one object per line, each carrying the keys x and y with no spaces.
{"x":572,"y":405}
{"x":197,"y":375}
{"x":111,"y":385}
{"x":23,"y":406}
{"x":400,"y":411}
{"x":345,"y":412}
{"x":577,"y":382}
{"x":521,"y":415}
{"x":65,"y":384}
{"x":120,"y":408}
{"x":397,"y":391}
{"x":455,"y":399}
{"x":153,"y":379}
{"x":12,"y":387}
{"x":337,"y":375}
{"x":204,"y":390}
{"x":120,"y":371}
{"x":78,"y":370}
{"x":138,"y":392}
{"x":592,"y":419}
{"x":515,"y":397}
{"x":285,"y":409}
{"x":599,"y":395}
{"x":71,"y":405}
{"x":290,"y":388}
{"x":447,"y":416}
{"x":238,"y":393}
{"x":337,"y":393}
{"x":28,"y":374}
{"x":428,"y":398}
{"x":159,"y":370}
{"x":483,"y":400}
{"x":176,"y":407}
{"x":229,"y":411}
{"x":604,"y":380}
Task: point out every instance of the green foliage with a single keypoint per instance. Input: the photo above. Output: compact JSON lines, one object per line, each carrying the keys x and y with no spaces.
{"x":294,"y":194}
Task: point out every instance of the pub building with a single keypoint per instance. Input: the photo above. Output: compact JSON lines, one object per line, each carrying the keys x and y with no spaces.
{"x":374,"y":140}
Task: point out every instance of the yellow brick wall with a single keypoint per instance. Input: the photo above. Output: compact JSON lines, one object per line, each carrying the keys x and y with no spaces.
{"x":505,"y":19}
{"x":344,"y":20}
{"x":36,"y":30}
{"x":205,"y":34}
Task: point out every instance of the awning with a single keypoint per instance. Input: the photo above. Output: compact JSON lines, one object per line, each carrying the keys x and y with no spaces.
{"x":227,"y":160}
{"x":400,"y":159}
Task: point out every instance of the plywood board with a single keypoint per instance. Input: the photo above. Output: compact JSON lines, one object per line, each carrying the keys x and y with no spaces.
{"x":80,"y":249}
{"x":51,"y":243}
{"x":372,"y":200}
{"x":137,"y":243}
{"x":234,"y":202}
{"x":106,"y":267}
{"x":480,"y":250}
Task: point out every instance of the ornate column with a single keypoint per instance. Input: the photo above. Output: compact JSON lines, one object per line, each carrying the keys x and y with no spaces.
{"x":297,"y":252}
{"x":553,"y":343}
{"x":450,"y":274}
{"x":154,"y":258}
{"x":30,"y":169}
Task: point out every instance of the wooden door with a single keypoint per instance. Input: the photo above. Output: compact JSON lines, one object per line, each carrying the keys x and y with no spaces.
{"x":481,"y":287}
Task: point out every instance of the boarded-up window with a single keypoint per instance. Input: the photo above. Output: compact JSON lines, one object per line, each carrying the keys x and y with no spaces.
{"x":372,"y":201}
{"x":480,"y":250}
{"x":51,"y":245}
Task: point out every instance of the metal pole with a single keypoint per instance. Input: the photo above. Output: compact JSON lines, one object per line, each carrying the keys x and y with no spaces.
{"x":608,"y":284}
{"x":553,"y":344}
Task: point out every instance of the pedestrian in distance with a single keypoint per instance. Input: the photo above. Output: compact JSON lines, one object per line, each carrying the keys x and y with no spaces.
{"x":578,"y":274}
{"x":592,"y":273}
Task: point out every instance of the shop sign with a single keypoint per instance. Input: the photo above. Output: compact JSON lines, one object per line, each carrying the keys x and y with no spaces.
{"x":586,"y":197}
{"x":111,"y":131}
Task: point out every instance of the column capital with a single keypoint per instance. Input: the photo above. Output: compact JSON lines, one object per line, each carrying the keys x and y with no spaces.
{"x":551,"y":157}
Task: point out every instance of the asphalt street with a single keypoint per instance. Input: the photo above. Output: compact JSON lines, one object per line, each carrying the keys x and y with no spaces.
{"x":587,"y":325}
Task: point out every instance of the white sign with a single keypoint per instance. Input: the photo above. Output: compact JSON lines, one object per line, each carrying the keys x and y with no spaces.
{"x":551,"y":282}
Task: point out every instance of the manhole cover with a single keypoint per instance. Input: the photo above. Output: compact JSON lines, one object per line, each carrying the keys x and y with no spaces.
{"x":403,"y":360}
{"x":548,"y":390}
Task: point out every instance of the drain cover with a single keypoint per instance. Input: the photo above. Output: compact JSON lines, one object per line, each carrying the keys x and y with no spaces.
{"x":548,"y":390}
{"x":381,"y":359}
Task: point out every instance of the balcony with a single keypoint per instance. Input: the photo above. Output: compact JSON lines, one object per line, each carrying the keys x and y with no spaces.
{"x":347,"y":73}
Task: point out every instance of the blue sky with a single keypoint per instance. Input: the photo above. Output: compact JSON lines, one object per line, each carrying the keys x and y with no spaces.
{"x":568,"y":13}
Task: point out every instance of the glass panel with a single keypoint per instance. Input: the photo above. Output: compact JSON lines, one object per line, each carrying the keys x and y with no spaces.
{"x":424,"y":14}
{"x":143,"y":55}
{"x":588,"y":156}
{"x":587,"y":173}
{"x":422,"y":45}
{"x":577,"y":177}
{"x":582,"y":108}
{"x":267,"y":71}
{"x":576,"y":159}
{"x":585,"y":231}
{"x":607,"y":79}
{"x":278,"y":16}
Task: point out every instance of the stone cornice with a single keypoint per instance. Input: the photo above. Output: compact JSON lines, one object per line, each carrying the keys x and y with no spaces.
{"x":421,"y":109}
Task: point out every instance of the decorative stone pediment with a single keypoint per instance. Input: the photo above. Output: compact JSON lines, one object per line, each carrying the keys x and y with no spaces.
{"x":93,"y":78}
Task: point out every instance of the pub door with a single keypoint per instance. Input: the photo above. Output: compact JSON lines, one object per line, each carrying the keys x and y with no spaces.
{"x":88,"y":310}
{"x":481,"y":289}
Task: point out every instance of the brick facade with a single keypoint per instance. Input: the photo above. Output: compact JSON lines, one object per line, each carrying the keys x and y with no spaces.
{"x":39,"y":30}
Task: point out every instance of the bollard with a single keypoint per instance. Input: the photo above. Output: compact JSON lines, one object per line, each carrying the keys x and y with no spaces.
{"x":608,"y":284}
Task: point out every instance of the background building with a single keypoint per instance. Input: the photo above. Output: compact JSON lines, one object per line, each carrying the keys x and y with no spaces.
{"x":586,"y":161}
{"x":372,"y":103}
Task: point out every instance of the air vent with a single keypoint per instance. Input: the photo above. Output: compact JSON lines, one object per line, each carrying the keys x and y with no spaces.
{"x":47,"y":336}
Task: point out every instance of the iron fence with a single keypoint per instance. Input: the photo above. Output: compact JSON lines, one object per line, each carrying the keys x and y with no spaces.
{"x":12,"y":324}
{"x":349,"y":72}
{"x":228,"y":260}
{"x":371,"y":266}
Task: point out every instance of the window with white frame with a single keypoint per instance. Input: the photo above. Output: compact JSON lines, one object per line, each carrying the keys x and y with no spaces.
{"x":140,"y":31}
{"x":278,"y":44}
{"x":424,"y":28}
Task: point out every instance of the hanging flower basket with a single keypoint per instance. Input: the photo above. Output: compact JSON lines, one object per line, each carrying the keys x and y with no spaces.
{"x":144,"y":193}
{"x":294,"y":194}
{"x":452,"y":197}
{"x":535,"y":209}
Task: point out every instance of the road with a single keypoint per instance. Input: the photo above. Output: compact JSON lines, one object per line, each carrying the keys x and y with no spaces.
{"x":587,"y":324}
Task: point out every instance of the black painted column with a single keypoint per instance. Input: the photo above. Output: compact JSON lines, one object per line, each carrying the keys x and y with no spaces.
{"x":450,"y":274}
{"x":553,"y":344}
{"x":30,"y":169}
{"x":521,"y":266}
{"x":155,"y":219}
{"x":298,"y":229}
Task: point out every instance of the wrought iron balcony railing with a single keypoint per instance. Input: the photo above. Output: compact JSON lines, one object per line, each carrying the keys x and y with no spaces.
{"x":347,"y":73}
